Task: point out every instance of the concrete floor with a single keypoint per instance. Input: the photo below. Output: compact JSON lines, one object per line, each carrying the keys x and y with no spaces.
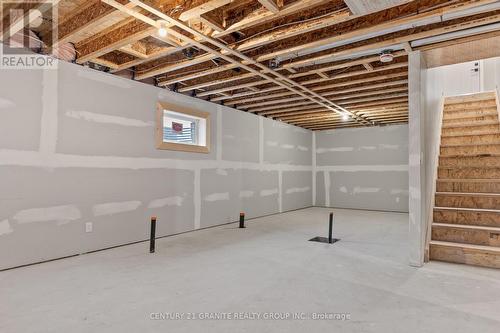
{"x":270,"y":267}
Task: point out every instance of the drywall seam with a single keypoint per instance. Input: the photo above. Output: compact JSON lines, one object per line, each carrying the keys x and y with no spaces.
{"x":280,"y":191}
{"x":169,"y":201}
{"x":219,"y":135}
{"x":5,"y":228}
{"x":111,"y":208}
{"x":49,"y":121}
{"x":261,"y":140}
{"x":224,"y":196}
{"x":327,"y":188}
{"x":107,"y":119}
{"x":197,"y":199}
{"x":35,"y":159}
{"x":357,"y":168}
{"x":267,"y":193}
{"x":298,"y":190}
{"x":61,"y":214}
{"x":313,"y":168}
{"x":246,"y":194}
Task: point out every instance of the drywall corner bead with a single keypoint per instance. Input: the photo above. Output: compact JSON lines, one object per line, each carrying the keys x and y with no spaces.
{"x":267,"y":193}
{"x":169,"y":201}
{"x":246,"y":194}
{"x":105,"y":78}
{"x":108,"y":119}
{"x":5,"y":103}
{"x":59,"y":214}
{"x":115,"y":207}
{"x":217,"y":197}
{"x":5,"y":228}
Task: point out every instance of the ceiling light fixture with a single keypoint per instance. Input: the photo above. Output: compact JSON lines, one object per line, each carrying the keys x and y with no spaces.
{"x":386,"y":56}
{"x":162,"y":28}
{"x":345,"y":117}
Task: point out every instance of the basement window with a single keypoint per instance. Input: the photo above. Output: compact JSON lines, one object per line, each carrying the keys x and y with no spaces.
{"x":182,"y":129}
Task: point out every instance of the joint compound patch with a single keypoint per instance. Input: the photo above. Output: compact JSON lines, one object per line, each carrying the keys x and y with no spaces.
{"x":5,"y":228}
{"x":358,"y":190}
{"x":164,"y":202}
{"x":267,"y":193}
{"x":5,"y":103}
{"x":272,"y":143}
{"x":61,"y":214}
{"x":115,"y":207}
{"x":298,"y":190}
{"x":246,"y":194}
{"x":107,"y":119}
{"x":217,"y":197}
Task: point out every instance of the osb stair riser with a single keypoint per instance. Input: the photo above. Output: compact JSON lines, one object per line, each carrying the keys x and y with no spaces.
{"x":466,"y":254}
{"x":469,"y":161}
{"x":467,"y":217}
{"x":467,"y":234}
{"x":468,"y":185}
{"x":450,"y":108}
{"x":469,"y":172}
{"x":467,"y":120}
{"x":471,"y":139}
{"x":459,"y":114}
{"x":466,"y":130}
{"x":479,"y":149}
{"x":468,"y":200}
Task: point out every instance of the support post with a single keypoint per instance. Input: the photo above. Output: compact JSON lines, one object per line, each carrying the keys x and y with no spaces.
{"x":242,"y":220}
{"x":152,"y":236}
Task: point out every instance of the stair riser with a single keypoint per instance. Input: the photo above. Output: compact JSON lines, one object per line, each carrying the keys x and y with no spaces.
{"x":468,"y":113}
{"x":469,"y":173}
{"x":470,"y":129}
{"x":466,"y":236}
{"x":469,"y":150}
{"x":461,"y":121}
{"x":487,"y":104}
{"x":485,"y":219}
{"x":481,"y":161}
{"x":468,"y":187}
{"x":443,"y":200}
{"x":464,"y":256}
{"x":474,"y":139}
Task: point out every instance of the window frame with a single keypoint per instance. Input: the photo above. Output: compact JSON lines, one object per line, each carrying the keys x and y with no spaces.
{"x":160,"y":144}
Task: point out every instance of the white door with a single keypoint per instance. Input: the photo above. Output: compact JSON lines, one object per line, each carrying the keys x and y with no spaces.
{"x":462,"y":78}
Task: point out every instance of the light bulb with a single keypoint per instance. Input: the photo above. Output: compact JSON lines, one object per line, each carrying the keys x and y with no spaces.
{"x":345,"y":117}
{"x":162,"y":29}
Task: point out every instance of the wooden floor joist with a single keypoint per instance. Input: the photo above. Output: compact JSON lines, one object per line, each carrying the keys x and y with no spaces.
{"x":304,"y":62}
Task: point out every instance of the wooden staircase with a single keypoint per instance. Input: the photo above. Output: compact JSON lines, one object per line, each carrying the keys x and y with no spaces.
{"x":466,"y":216}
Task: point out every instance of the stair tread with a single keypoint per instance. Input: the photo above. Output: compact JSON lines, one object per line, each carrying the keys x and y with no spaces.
{"x":466,"y":226}
{"x":478,"y":180}
{"x":469,"y":194}
{"x":478,"y":210}
{"x":477,"y":134}
{"x":467,"y":246}
{"x":476,"y":124}
{"x":455,"y":145}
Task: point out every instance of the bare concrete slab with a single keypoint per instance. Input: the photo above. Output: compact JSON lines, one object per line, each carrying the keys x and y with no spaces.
{"x":269,"y":267}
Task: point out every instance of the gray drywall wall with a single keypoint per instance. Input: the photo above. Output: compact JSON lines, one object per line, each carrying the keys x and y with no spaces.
{"x":363,"y":168}
{"x":77,"y":146}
